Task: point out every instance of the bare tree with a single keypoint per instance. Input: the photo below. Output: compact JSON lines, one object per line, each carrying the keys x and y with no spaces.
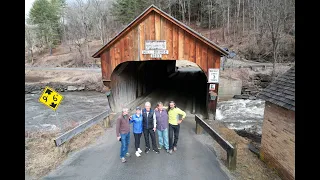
{"x":209,"y":6}
{"x":228,"y":17}
{"x":100,"y":13}
{"x":189,"y":11}
{"x":75,"y":31}
{"x":30,"y":41}
{"x":273,"y":14}
{"x":242,"y":17}
{"x":238,"y":15}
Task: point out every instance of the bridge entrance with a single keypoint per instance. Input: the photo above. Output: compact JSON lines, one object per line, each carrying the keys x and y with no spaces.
{"x":186,"y":86}
{"x":141,"y":59}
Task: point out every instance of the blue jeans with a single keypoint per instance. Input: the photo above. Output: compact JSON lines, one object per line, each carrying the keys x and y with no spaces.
{"x":125,"y":140}
{"x":163,"y":138}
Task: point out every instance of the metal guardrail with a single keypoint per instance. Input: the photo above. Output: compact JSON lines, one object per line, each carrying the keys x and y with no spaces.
{"x":80,"y":128}
{"x":231,"y":150}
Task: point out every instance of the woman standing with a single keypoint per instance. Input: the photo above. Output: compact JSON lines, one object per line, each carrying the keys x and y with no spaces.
{"x":136,"y":119}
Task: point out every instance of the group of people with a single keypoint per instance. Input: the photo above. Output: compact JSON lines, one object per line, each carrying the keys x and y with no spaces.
{"x":165,"y":120}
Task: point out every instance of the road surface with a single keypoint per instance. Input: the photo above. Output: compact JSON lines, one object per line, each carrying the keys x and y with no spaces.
{"x":193,"y":160}
{"x":101,"y":161}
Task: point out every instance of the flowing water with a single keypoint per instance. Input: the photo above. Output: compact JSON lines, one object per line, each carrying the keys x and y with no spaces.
{"x":75,"y":107}
{"x":241,"y":114}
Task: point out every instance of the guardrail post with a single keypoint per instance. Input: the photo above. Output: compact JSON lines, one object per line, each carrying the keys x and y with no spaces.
{"x":232,"y":157}
{"x":106,"y":122}
{"x":198,"y":128}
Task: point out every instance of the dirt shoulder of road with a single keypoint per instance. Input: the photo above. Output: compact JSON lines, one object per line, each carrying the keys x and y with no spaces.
{"x":41,"y":154}
{"x":248,"y":166}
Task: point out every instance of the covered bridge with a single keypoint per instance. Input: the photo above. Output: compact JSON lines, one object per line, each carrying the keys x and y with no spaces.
{"x":146,"y":51}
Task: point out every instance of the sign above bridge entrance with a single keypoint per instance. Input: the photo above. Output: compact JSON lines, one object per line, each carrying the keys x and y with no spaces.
{"x":153,"y":44}
{"x":155,"y":48}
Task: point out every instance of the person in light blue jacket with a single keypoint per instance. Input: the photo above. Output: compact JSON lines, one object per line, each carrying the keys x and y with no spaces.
{"x":136,"y":120}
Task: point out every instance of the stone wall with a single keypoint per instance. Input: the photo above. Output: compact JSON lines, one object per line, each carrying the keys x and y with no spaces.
{"x":228,"y":87}
{"x":278,"y":140}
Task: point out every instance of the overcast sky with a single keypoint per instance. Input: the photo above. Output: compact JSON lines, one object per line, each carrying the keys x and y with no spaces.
{"x":28,"y":4}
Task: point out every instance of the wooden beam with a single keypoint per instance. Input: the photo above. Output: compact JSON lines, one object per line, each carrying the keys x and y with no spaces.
{"x":80,"y":128}
{"x":231,"y":150}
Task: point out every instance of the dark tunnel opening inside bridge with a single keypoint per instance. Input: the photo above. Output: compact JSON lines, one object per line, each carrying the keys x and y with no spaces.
{"x":159,"y":80}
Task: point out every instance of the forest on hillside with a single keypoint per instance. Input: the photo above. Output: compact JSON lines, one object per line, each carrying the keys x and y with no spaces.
{"x":260,"y":30}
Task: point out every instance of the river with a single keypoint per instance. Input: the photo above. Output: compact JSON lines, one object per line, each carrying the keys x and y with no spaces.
{"x":75,"y":108}
{"x":241,"y":114}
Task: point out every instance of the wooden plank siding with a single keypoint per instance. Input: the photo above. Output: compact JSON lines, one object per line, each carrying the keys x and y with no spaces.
{"x":181,"y":45}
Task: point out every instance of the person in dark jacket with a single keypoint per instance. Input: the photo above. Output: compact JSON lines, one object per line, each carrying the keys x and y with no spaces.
{"x":149,"y":127}
{"x":123,"y":133}
{"x":162,"y":126}
{"x":136,"y":119}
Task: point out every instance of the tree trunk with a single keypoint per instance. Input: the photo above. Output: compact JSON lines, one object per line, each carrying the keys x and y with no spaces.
{"x":102,"y":31}
{"x":238,"y":15}
{"x":189,"y":11}
{"x":31,"y":51}
{"x":228,"y":23}
{"x":170,"y":7}
{"x":209,"y":12}
{"x":243,"y":18}
{"x":200,"y":12}
{"x":274,"y":62}
{"x":223,"y":25}
{"x":88,"y":55}
{"x":183,"y":11}
{"x":234,"y":25}
{"x":249,"y":15}
{"x":64,"y":28}
{"x":216,"y":23}
{"x":254,"y":15}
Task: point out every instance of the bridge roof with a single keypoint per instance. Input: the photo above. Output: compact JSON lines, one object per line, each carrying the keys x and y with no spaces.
{"x":151,"y":8}
{"x":281,"y":91}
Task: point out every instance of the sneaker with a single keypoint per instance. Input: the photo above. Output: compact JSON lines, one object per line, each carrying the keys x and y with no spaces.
{"x":147,"y":150}
{"x":139,"y":150}
{"x":123,"y":160}
{"x":159,"y":147}
{"x":128,"y":154}
{"x":174,"y":148}
{"x":167,"y":150}
{"x":170,"y":151}
{"x":138,"y":154}
{"x":157,"y":151}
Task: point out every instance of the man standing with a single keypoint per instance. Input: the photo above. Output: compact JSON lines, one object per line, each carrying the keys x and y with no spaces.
{"x":149,"y":127}
{"x":174,"y":125}
{"x":123,"y":133}
{"x":162,"y":126}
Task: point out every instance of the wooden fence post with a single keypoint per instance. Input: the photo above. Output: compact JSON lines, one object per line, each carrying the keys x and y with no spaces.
{"x":198,"y":128}
{"x":232,"y":157}
{"x":107,"y":122}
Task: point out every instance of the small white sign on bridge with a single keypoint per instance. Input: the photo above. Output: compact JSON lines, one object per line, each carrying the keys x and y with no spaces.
{"x":213,"y":75}
{"x":155,"y":48}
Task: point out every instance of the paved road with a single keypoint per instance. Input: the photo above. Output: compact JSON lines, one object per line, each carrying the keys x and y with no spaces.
{"x":101,"y":161}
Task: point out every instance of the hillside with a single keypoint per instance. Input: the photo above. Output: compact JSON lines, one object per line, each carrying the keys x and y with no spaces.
{"x":66,"y":55}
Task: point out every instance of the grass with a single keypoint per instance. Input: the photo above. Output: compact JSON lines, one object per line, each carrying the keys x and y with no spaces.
{"x":42,"y":155}
{"x":249,"y":166}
